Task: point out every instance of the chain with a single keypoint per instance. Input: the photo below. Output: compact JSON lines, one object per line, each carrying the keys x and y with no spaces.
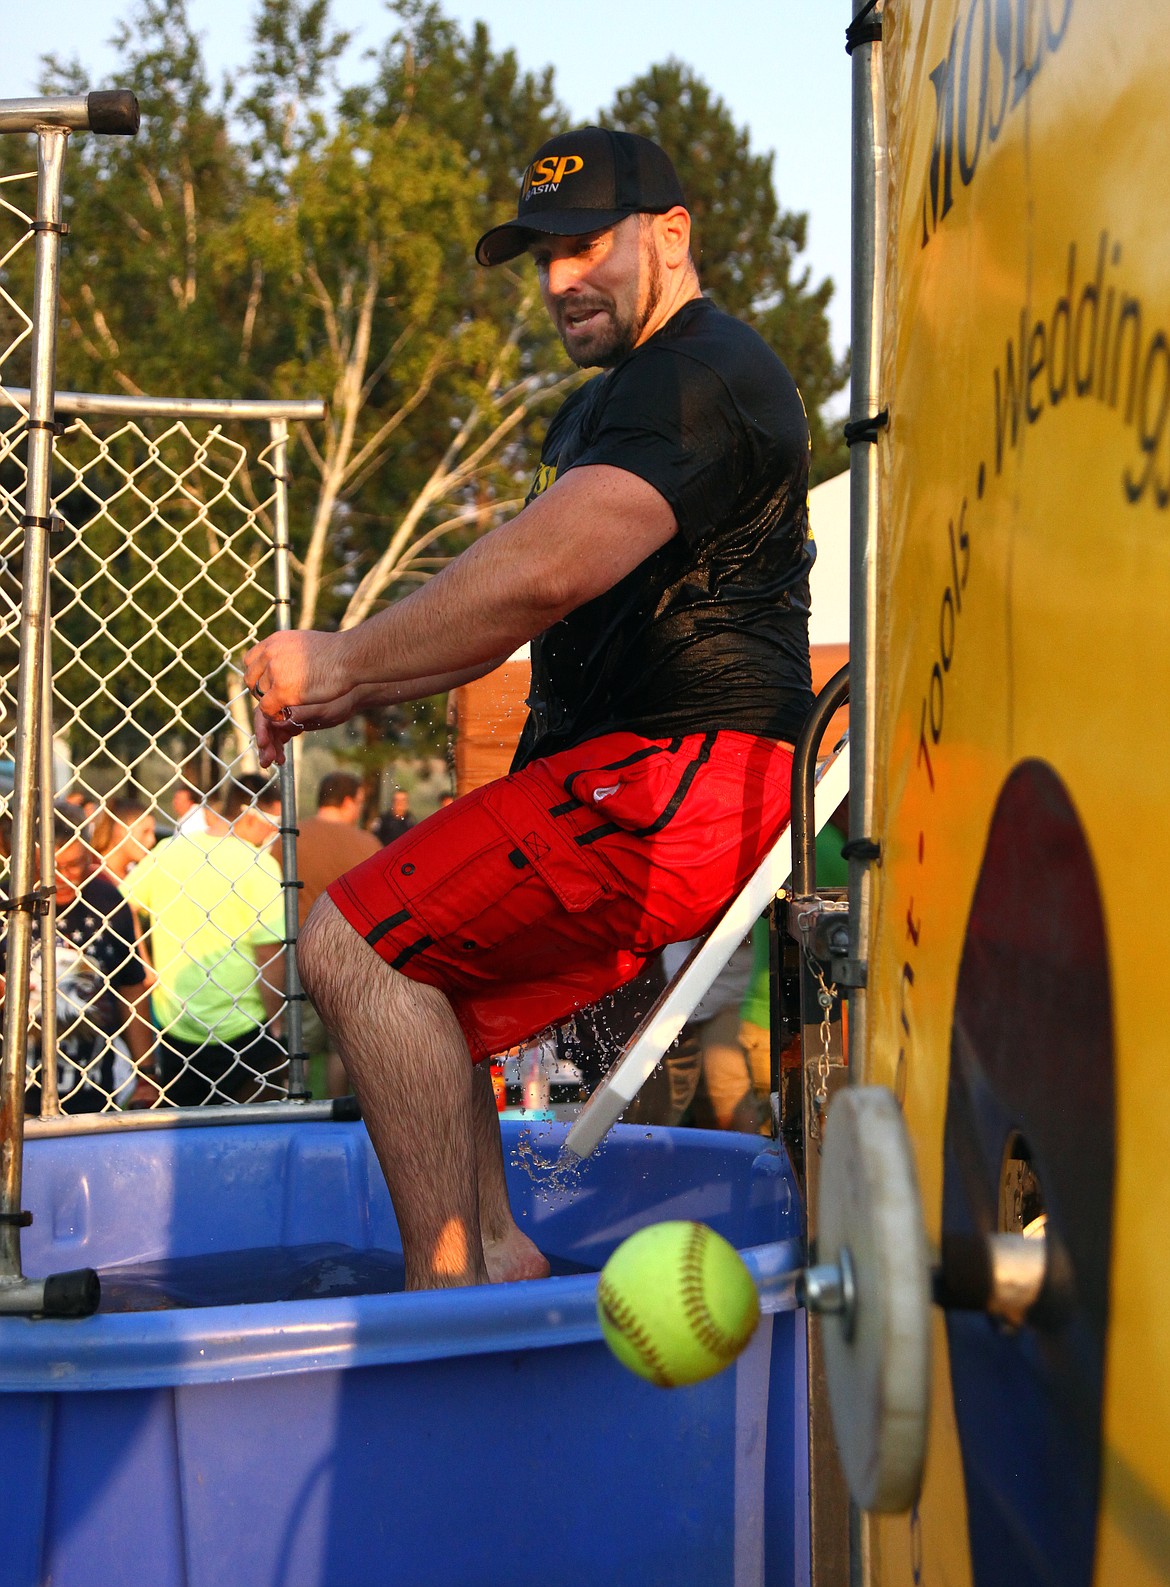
{"x":826,"y":997}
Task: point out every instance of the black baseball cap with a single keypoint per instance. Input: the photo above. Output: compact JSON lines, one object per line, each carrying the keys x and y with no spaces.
{"x":584,"y":181}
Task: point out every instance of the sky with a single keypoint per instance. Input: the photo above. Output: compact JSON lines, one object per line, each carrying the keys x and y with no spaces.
{"x":779,"y":65}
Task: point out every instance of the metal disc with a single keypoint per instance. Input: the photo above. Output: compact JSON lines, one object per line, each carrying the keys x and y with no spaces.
{"x":877,"y":1360}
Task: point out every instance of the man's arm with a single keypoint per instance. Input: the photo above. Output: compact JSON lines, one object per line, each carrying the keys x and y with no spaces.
{"x":273,"y":735}
{"x":574,"y":542}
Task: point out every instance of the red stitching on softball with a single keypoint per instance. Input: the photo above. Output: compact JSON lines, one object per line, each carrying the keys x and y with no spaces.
{"x":620,"y":1317}
{"x":723,"y":1345}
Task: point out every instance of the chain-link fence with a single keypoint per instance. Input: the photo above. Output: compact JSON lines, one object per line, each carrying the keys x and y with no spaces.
{"x":174,"y":983}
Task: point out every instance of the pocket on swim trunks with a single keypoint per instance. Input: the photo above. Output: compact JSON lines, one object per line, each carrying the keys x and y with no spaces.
{"x":643,"y":794}
{"x":565,"y":867}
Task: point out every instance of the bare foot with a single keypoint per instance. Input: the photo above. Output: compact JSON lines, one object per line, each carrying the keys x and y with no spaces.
{"x":513,"y":1257}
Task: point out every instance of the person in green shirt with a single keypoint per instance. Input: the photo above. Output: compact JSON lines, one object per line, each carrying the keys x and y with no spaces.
{"x":215,"y":912}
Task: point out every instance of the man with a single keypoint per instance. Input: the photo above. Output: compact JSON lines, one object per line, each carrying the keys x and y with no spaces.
{"x":329,"y":844}
{"x":216,"y":916}
{"x":333,"y":841}
{"x":660,"y":568}
{"x":395,"y":821}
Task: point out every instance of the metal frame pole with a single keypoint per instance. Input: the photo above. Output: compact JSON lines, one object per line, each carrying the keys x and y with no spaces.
{"x":868,"y":417}
{"x":866,"y":420}
{"x":27,"y":895}
{"x":50,"y":1101}
{"x":298,"y":1088}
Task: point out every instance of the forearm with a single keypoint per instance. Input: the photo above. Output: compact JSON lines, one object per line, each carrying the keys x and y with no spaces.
{"x":398,"y":692}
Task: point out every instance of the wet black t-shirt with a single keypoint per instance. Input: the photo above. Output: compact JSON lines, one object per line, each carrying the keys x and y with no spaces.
{"x":711,"y":630}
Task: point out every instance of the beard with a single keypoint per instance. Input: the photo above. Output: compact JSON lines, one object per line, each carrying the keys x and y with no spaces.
{"x":615,"y":335}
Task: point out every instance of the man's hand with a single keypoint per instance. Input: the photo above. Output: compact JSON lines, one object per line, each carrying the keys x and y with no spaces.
{"x":300,"y":667}
{"x":272,"y":734}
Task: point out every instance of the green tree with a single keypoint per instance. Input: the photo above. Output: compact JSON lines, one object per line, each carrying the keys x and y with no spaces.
{"x":745,"y":245}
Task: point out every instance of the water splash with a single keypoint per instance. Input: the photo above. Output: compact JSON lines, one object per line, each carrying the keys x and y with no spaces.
{"x":555,"y":1173}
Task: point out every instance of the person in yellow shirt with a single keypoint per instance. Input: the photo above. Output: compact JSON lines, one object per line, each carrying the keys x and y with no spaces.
{"x":213,"y":904}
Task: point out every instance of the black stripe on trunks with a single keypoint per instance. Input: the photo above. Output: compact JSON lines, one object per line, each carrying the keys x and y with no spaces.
{"x":672,"y":807}
{"x":408,"y":953}
{"x":375,"y":936}
{"x":604,"y":831}
{"x":618,"y":765}
{"x":680,"y":792}
{"x":563,"y":810}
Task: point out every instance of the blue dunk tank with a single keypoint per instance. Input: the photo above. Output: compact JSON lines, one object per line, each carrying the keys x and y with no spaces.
{"x":239,"y":1411}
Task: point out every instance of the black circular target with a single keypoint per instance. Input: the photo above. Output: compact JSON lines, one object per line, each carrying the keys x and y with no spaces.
{"x":1029,"y":1145}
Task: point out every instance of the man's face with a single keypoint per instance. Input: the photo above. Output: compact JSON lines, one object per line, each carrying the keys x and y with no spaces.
{"x":400,"y":803}
{"x":600,"y":289}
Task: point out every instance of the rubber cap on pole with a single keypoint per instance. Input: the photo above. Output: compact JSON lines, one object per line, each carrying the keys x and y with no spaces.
{"x":113,"y":110}
{"x":75,"y":1294}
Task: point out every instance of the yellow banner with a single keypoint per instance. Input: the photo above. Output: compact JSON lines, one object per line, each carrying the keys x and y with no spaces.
{"x":1023,"y":748}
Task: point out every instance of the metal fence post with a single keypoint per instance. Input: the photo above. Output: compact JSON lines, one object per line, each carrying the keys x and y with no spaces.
{"x":867,"y":419}
{"x":298,"y":1088}
{"x":27,"y":895}
{"x":50,"y":1101}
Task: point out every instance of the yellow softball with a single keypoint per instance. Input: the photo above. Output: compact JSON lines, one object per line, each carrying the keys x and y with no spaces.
{"x":676,"y":1303}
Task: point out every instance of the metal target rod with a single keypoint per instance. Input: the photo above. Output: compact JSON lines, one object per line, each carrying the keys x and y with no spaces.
{"x":61,"y":1294}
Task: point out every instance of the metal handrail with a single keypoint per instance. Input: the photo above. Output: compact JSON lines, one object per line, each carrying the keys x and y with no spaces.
{"x":804,"y":781}
{"x":90,"y":404}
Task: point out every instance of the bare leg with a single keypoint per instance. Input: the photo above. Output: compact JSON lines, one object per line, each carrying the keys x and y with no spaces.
{"x":412,"y":1073}
{"x":508,"y":1253}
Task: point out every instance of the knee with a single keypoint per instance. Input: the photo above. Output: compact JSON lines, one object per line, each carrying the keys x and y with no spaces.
{"x":321,"y":952}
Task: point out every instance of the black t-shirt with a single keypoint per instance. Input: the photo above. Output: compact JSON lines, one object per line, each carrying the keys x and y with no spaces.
{"x":711,"y":630}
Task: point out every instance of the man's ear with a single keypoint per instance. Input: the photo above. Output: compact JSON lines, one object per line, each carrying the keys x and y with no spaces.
{"x":674,"y":235}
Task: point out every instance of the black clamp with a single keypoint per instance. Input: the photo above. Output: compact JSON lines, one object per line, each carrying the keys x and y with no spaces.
{"x":61,"y":227}
{"x":291,"y":832}
{"x":35,"y":903}
{"x":863,"y":849}
{"x":51,"y":425}
{"x":54,"y":525}
{"x":866,"y":429}
{"x":16,"y":1220}
{"x":296,"y":997}
{"x":861,"y":31}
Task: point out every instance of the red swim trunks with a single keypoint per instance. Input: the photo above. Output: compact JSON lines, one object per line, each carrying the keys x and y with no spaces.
{"x":534,"y":896}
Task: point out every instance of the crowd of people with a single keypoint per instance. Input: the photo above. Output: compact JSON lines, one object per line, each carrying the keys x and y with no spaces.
{"x":168,"y":961}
